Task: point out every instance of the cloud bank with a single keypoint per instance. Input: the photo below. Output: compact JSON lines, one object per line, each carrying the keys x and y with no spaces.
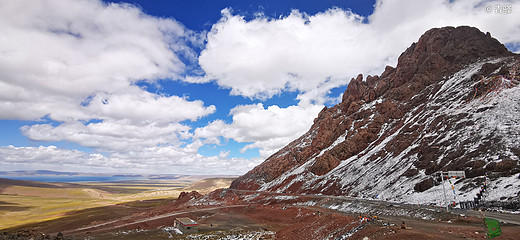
{"x":312,"y":54}
{"x":74,"y":65}
{"x":150,"y":160}
{"x":58,"y":54}
{"x":267,"y":129}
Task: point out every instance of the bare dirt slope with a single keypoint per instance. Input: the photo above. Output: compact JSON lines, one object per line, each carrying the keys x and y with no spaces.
{"x":239,"y":214}
{"x":208,"y":185}
{"x":25,"y":202}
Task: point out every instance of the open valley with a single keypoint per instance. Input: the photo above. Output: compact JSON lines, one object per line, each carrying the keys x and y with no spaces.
{"x":259,"y":120}
{"x":24,"y":202}
{"x":236,"y":214}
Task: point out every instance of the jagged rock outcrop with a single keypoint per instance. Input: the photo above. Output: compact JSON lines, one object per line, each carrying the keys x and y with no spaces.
{"x":187,"y":196}
{"x":391,"y":133}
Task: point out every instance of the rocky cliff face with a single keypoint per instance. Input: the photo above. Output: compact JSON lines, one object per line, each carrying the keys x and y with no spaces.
{"x":452,"y":103}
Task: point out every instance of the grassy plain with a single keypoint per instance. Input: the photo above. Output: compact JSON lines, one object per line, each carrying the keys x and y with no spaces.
{"x":25,"y":202}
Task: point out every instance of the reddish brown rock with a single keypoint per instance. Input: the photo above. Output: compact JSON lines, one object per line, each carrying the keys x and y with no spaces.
{"x":324,"y":164}
{"x":439,"y":53}
{"x":424,"y":185}
{"x":186,"y":196}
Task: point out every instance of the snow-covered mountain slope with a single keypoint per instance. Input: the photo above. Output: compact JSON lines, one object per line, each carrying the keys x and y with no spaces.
{"x":452,"y":103}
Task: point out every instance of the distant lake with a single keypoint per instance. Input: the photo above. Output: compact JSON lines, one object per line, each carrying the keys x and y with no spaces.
{"x":70,"y":179}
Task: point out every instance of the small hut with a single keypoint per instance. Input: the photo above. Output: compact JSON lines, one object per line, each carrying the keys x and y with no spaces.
{"x":186,"y":225}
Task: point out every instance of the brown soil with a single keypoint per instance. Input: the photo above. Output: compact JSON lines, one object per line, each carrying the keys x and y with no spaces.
{"x":419,"y":229}
{"x":145,"y":220}
{"x":208,"y":185}
{"x":77,"y":219}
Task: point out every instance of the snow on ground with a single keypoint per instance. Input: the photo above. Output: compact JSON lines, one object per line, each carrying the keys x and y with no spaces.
{"x":308,"y":203}
{"x":171,"y":231}
{"x":298,"y":170}
{"x":376,"y":208}
{"x":503,"y":187}
{"x":287,"y":197}
{"x":242,"y":235}
{"x":204,"y":201}
{"x":248,"y":198}
{"x":382,"y":178}
{"x":350,"y":233}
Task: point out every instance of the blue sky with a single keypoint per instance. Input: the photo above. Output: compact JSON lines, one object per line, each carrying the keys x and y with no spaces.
{"x":194,"y":87}
{"x":202,"y":14}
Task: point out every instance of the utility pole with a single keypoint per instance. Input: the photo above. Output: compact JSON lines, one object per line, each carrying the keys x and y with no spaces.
{"x":451,"y":174}
{"x":444,"y":189}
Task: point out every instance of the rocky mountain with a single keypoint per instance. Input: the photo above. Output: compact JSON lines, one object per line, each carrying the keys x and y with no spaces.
{"x":452,"y":103}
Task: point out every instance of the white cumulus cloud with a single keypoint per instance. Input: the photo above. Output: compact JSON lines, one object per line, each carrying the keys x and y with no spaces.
{"x":312,"y":54}
{"x":164,"y":159}
{"x":76,"y":63}
{"x":268,"y":129}
{"x":110,"y":136}
{"x":139,"y":105}
{"x":56,"y":54}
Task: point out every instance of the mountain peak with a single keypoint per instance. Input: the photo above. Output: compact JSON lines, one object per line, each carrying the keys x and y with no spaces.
{"x":458,"y":45}
{"x":438,"y":52}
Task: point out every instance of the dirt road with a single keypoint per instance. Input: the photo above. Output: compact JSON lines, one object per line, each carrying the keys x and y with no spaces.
{"x":127,"y":221}
{"x":502,"y":217}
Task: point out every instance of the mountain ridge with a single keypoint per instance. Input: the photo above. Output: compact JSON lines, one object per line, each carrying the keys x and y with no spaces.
{"x":396,"y":117}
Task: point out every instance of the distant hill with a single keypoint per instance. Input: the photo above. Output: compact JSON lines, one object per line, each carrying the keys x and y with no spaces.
{"x":9,"y":183}
{"x":48,"y":172}
{"x":128,"y":175}
{"x":37,"y":172}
